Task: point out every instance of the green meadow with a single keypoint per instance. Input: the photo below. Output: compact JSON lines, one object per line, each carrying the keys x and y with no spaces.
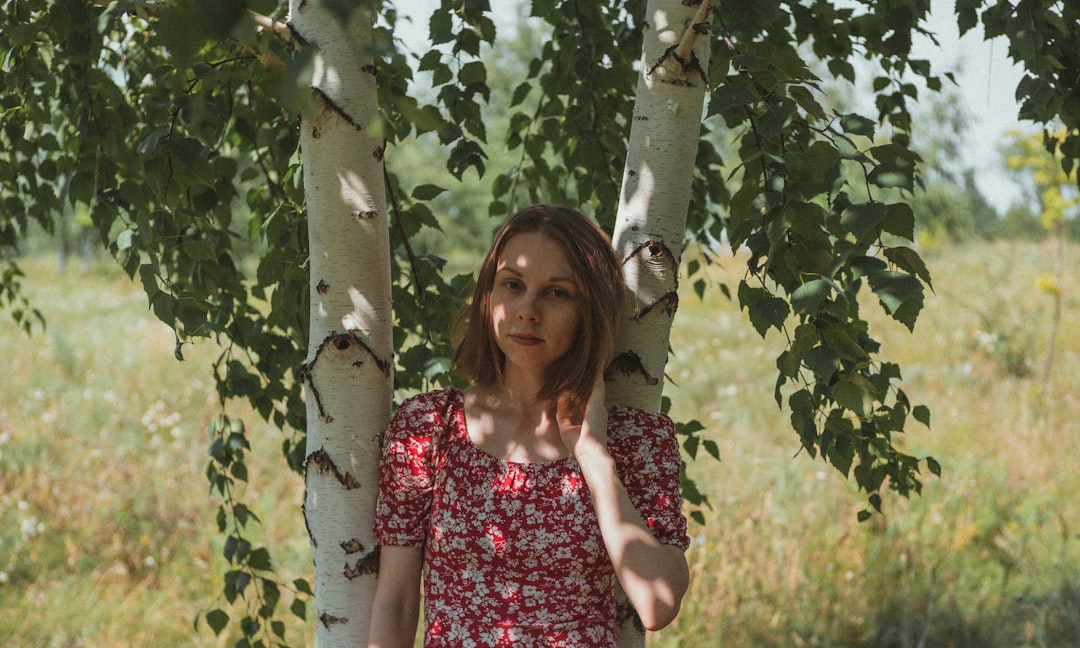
{"x":108,"y":537}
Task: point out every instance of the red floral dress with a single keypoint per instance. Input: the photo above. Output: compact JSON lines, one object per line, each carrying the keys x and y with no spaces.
{"x":512,"y":551}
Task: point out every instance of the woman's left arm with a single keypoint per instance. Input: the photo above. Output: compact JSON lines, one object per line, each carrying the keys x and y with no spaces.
{"x":653,"y":575}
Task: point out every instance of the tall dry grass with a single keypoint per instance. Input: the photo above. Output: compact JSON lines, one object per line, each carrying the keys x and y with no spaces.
{"x":988,"y":556}
{"x":107,"y":533}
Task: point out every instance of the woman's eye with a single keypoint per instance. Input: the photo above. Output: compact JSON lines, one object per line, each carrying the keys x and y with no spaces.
{"x":561,"y":293}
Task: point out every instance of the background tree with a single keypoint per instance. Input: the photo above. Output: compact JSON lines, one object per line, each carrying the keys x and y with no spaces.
{"x":176,"y":126}
{"x":1057,"y":195}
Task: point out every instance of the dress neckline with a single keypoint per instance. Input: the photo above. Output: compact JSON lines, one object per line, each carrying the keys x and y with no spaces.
{"x":459,"y":411}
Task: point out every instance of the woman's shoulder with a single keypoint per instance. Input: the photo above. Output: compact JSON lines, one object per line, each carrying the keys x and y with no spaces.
{"x":633,"y":423}
{"x":637,"y":420}
{"x":430,"y":405}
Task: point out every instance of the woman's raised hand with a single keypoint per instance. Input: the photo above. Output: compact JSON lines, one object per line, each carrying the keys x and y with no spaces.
{"x":584,"y":432}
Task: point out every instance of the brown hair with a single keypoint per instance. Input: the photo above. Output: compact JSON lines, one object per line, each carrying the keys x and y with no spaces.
{"x":602,"y":295}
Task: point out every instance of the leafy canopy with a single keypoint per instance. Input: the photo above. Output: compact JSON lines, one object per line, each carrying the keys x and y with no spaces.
{"x":175,"y":125}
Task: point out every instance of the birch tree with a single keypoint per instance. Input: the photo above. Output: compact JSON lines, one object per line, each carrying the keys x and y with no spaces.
{"x":348,"y":375}
{"x":654,"y":198}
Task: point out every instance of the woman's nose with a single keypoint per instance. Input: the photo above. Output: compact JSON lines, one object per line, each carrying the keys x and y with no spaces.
{"x":528,"y":309}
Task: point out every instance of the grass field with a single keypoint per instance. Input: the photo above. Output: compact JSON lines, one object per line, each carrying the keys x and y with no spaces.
{"x":107,"y":535}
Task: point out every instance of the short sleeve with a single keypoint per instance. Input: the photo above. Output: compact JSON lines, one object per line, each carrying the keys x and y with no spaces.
{"x":405,"y":471}
{"x":647,"y":455}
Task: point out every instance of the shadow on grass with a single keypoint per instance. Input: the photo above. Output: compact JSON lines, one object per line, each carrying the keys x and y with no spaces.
{"x":1048,"y":621}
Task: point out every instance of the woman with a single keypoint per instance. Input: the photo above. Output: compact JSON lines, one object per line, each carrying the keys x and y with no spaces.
{"x":522,"y":498}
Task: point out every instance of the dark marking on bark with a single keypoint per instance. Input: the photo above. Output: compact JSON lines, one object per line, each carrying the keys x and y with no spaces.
{"x":370,"y":69}
{"x":322,"y":461}
{"x":296,"y":40}
{"x":341,"y":342}
{"x":352,"y":546}
{"x":640,"y":118}
{"x":667,"y":305}
{"x":307,"y":526}
{"x":657,"y":250}
{"x":364,"y":214}
{"x":629,"y":363}
{"x":322,"y":287}
{"x":315,"y":132}
{"x":305,"y":377}
{"x":332,"y":105}
{"x":380,"y":152}
{"x":329,"y":619}
{"x":367,"y":564}
{"x":325,"y":465}
{"x":624,"y":612}
{"x":679,"y":68}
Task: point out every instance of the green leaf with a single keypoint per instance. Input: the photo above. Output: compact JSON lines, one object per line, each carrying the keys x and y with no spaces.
{"x":921,"y":414}
{"x":473,"y":72}
{"x":303,"y":586}
{"x":899,"y":220}
{"x":909,"y":261}
{"x":730,"y":95}
{"x":807,"y":101}
{"x":823,"y":361}
{"x":199,"y":250}
{"x":808,"y":297}
{"x":933,"y":466}
{"x":217,"y":619}
{"x":855,"y":124}
{"x":260,"y":560}
{"x":840,"y":341}
{"x":863,"y":220}
{"x":427,"y":191}
{"x":441,"y":27}
{"x":126,"y":240}
{"x":854,"y":393}
{"x":765,"y":310}
{"x":895,"y":168}
{"x":298,"y":608}
{"x":520,"y":92}
{"x":900,"y":294}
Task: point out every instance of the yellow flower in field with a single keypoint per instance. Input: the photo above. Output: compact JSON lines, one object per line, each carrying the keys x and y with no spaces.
{"x":1048,"y":284}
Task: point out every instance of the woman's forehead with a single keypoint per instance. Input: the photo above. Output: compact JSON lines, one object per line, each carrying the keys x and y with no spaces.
{"x":535,"y":252}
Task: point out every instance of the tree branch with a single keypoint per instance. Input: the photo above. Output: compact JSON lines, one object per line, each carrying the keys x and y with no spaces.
{"x":282,"y":30}
{"x":700,"y":25}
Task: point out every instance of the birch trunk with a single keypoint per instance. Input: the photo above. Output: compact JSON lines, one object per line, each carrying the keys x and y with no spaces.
{"x":348,"y":373}
{"x":652,"y":207}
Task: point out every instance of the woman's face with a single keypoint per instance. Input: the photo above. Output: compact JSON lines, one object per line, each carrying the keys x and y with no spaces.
{"x":534,"y":303}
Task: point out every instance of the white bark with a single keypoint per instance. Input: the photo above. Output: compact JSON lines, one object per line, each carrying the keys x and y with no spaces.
{"x":348,"y":374}
{"x":654,"y":201}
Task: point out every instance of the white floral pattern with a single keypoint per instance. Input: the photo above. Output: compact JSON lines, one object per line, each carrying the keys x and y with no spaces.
{"x":513,"y":554}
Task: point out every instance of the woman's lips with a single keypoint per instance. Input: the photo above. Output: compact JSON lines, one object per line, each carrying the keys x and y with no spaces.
{"x":525,"y":339}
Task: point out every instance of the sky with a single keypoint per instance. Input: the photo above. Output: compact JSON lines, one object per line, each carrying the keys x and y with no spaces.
{"x":986,"y":84}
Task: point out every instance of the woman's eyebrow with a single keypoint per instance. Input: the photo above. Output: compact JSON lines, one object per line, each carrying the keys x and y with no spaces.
{"x":514,"y":270}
